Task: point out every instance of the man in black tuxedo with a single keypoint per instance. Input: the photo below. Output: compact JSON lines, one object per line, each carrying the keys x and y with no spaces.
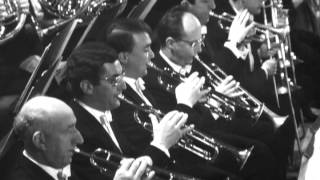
{"x":135,"y":53}
{"x":47,"y":127}
{"x":95,"y":77}
{"x":257,"y":82}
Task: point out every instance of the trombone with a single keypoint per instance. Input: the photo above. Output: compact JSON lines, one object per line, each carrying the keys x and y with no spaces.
{"x":196,"y":142}
{"x":102,"y":157}
{"x":216,"y":75}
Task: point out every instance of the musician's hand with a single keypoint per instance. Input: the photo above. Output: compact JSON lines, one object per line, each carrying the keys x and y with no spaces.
{"x":131,"y":169}
{"x":265,"y":53}
{"x":316,"y":145}
{"x":229,"y":87}
{"x":189,"y":92}
{"x":239,"y":29}
{"x":270,"y":67}
{"x":170,"y":129}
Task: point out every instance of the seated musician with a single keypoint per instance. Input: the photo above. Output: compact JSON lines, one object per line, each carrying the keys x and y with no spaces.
{"x":47,"y":127}
{"x":279,"y":140}
{"x":95,"y":76}
{"x":135,"y":53}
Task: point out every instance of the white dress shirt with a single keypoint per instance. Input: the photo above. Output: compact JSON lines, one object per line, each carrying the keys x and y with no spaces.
{"x":133,"y":84}
{"x":106,"y":125}
{"x":48,"y":169}
{"x":176,"y":67}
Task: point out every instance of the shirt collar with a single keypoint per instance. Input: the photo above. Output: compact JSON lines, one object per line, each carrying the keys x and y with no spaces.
{"x":95,"y":112}
{"x":204,"y":30}
{"x":50,"y":170}
{"x":130,"y":81}
{"x":176,"y":67}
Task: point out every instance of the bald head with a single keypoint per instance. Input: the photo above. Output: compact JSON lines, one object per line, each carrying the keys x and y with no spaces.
{"x":176,"y":23}
{"x":48,"y":128}
{"x":190,"y":23}
{"x":39,"y":113}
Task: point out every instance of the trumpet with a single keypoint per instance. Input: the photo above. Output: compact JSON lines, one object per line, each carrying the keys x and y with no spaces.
{"x":101,"y":158}
{"x":196,"y":142}
{"x":258,"y":27}
{"x":226,"y":105}
{"x":216,"y":75}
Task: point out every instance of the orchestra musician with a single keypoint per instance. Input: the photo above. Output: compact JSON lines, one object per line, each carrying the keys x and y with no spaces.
{"x":47,"y":127}
{"x":257,"y":81}
{"x":134,"y":50}
{"x":95,"y":77}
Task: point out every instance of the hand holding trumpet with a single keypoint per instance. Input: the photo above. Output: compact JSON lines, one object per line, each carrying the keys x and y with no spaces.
{"x":239,"y":28}
{"x":190,"y":91}
{"x":170,"y":129}
{"x":134,"y":169}
{"x":229,"y":87}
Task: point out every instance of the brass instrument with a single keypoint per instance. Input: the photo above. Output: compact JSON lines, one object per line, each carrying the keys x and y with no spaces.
{"x":216,"y":75}
{"x":196,"y":142}
{"x":258,"y":27}
{"x":13,"y":14}
{"x":50,"y":15}
{"x":286,"y":57}
{"x":217,"y":103}
{"x":104,"y":159}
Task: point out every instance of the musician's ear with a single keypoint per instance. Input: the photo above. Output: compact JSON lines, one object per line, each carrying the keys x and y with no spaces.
{"x":123,"y":57}
{"x":38,"y":140}
{"x":86,"y":87}
{"x":170,"y":43}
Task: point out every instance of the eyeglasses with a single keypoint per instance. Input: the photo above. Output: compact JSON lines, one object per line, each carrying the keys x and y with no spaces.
{"x":194,"y":43}
{"x":115,"y":80}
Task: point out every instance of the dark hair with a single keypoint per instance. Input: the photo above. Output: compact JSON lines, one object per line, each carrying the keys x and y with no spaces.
{"x":170,"y":24}
{"x":86,"y":62}
{"x":191,"y":1}
{"x":120,"y":33}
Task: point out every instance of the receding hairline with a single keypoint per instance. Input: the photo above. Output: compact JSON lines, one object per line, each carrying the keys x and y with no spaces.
{"x":39,"y":111}
{"x":189,"y":22}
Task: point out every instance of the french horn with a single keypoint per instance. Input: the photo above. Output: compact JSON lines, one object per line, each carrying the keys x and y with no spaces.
{"x":49,"y":15}
{"x":13,"y":14}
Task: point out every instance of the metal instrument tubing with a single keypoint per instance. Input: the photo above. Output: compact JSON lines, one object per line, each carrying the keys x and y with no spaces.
{"x":161,"y":174}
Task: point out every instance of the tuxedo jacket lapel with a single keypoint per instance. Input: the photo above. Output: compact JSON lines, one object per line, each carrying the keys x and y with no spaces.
{"x":133,"y":95}
{"x":92,"y":131}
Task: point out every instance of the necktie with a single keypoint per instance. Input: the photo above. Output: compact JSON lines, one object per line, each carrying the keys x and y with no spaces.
{"x":185,"y":70}
{"x":140,"y":87}
{"x":61,"y":175}
{"x":105,"y":122}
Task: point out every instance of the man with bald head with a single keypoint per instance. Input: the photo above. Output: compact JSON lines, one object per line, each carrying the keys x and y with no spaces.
{"x":47,"y":126}
{"x":180,"y":38}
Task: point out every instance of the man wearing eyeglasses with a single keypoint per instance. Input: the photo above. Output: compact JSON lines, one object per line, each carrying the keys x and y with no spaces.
{"x":47,"y":126}
{"x":95,"y":77}
{"x":179,"y":35}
